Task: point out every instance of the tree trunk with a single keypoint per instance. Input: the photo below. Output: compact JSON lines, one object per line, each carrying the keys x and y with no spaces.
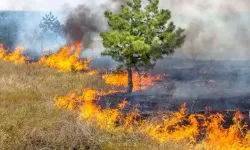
{"x":130,"y":80}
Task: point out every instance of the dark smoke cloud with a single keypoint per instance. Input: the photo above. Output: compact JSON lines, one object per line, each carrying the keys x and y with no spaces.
{"x":81,"y":24}
{"x":85,"y":22}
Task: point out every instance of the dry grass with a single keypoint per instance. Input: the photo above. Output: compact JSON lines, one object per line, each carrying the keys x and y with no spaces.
{"x":29,"y":119}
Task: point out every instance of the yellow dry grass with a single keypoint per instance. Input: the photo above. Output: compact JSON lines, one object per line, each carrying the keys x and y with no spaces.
{"x":30,"y":120}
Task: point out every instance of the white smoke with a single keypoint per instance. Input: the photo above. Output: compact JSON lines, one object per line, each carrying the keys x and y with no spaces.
{"x":47,"y":5}
{"x":216,"y":29}
{"x":36,"y":5}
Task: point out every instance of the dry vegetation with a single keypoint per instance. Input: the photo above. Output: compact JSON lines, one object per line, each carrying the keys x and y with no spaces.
{"x":29,"y":119}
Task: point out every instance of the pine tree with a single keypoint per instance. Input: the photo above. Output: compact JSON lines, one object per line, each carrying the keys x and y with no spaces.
{"x":139,"y":36}
{"x":50,"y":26}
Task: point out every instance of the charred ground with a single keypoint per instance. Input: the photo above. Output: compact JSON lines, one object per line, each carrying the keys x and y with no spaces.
{"x":204,"y":85}
{"x":221,"y":85}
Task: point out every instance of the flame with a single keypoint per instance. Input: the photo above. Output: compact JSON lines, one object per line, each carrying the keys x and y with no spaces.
{"x":88,"y":110}
{"x":140,"y":83}
{"x":67,"y":59}
{"x":173,"y":128}
{"x":235,"y":137}
{"x":92,"y":72}
{"x":16,"y":56}
{"x":199,"y":131}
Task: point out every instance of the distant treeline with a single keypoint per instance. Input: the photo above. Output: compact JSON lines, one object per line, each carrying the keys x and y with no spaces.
{"x":31,"y":29}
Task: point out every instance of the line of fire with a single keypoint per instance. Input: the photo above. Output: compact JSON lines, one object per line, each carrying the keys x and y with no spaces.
{"x":187,"y":84}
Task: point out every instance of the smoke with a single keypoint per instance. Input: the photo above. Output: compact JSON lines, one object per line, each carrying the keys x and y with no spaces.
{"x":37,"y":5}
{"x":85,"y":21}
{"x":82,"y":21}
{"x":81,"y":24}
{"x":215,"y":29}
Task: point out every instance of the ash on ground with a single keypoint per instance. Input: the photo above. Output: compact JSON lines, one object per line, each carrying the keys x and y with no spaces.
{"x":218,"y":85}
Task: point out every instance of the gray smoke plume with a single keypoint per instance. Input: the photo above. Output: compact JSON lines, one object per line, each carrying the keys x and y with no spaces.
{"x":84,"y":22}
{"x":81,"y":24}
{"x":215,"y":29}
{"x":218,"y":39}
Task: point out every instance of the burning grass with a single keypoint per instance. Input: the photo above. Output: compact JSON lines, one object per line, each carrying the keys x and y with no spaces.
{"x":66,"y":59}
{"x":16,"y":56}
{"x":197,"y":131}
{"x":143,"y":82}
{"x":31,"y":121}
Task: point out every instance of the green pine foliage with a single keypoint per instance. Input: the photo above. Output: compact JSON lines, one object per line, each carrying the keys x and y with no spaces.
{"x":139,"y":36}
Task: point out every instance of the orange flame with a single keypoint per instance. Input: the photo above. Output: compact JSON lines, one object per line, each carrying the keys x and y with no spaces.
{"x":83,"y":102}
{"x":92,"y":72}
{"x":235,"y":137}
{"x":140,"y":83}
{"x":197,"y":130}
{"x":16,"y":56}
{"x":67,"y":59}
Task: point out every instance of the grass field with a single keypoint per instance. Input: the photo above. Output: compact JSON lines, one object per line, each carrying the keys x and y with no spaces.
{"x":30,"y":120}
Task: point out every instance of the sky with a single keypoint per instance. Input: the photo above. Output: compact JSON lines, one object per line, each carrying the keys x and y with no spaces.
{"x":182,"y":5}
{"x":41,"y":5}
